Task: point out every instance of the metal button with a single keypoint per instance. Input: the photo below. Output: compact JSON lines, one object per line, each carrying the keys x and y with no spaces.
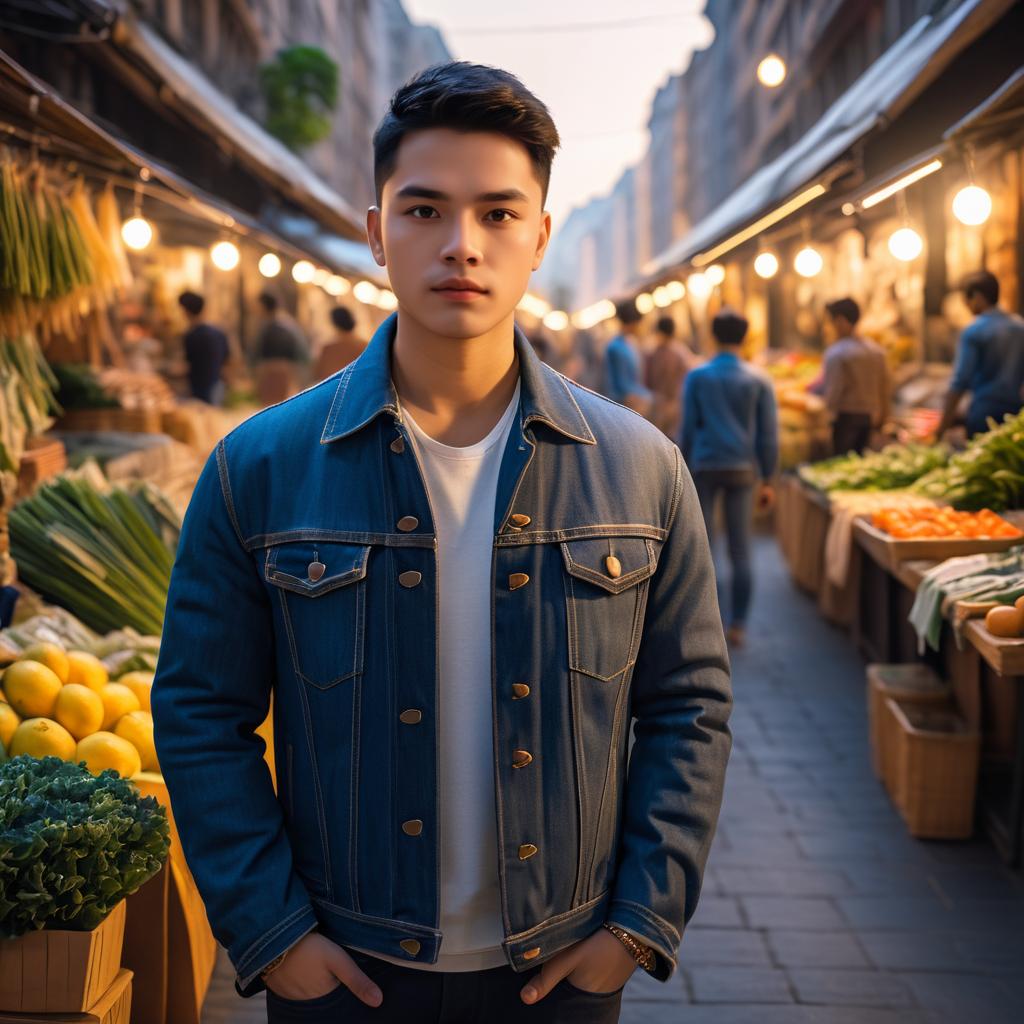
{"x":398,"y":445}
{"x":413,"y":827}
{"x":517,"y":580}
{"x":520,"y":520}
{"x":521,"y":758}
{"x":614,"y":567}
{"x":411,"y":946}
{"x":531,"y":954}
{"x":411,"y":717}
{"x":526,"y":851}
{"x":407,"y":523}
{"x":315,"y":570}
{"x":520,"y":690}
{"x":410,"y":578}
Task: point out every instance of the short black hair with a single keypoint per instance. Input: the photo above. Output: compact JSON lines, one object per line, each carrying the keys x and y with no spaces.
{"x":466,"y":97}
{"x":627,"y":313}
{"x":729,"y":327}
{"x":342,"y":318}
{"x":269,"y":301}
{"x":983,"y":283}
{"x":191,"y":302}
{"x":666,"y":325}
{"x":846,"y":308}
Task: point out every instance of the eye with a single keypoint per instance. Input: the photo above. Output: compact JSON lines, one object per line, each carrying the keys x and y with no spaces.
{"x":505,"y":213}
{"x":416,"y":209}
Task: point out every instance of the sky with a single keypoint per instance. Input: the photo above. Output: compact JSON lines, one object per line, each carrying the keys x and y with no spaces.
{"x":596,"y":64}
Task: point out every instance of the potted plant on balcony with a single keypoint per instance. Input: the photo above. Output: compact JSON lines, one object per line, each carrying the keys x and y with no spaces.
{"x":72,"y":847}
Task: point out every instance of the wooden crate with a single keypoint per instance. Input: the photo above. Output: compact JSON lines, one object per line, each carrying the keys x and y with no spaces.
{"x":890,"y":552}
{"x":43,"y":458}
{"x":937,"y":771}
{"x":113,"y":1007}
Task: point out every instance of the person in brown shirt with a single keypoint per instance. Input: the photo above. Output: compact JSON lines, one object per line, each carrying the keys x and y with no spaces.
{"x":856,"y":381}
{"x":345,"y":347}
{"x":667,"y":366}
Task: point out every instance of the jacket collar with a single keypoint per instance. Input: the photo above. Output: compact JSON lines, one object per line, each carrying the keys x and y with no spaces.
{"x":365,"y":390}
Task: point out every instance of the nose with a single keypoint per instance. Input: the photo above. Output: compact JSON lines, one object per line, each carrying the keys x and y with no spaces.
{"x":462,"y":244}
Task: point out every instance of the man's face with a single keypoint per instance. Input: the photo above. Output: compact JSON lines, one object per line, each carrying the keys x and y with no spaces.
{"x":976,"y":303}
{"x":459,"y":206}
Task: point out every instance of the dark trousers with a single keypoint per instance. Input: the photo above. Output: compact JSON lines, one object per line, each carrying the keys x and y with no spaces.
{"x":431,"y":997}
{"x":736,"y":486}
{"x":851,"y":432}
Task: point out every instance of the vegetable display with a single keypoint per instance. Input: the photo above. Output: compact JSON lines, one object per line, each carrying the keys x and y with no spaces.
{"x":989,"y":473}
{"x":72,"y":845}
{"x":103,"y":552}
{"x":893,"y":467}
{"x":943,"y":522}
{"x":27,"y":386}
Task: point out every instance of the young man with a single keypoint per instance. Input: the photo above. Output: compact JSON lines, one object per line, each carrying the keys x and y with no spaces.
{"x":624,"y":362}
{"x":344,"y":347}
{"x":856,"y":381}
{"x":730,"y":442}
{"x":667,"y":367}
{"x":206,"y":351}
{"x":990,"y":359}
{"x":462,"y":577}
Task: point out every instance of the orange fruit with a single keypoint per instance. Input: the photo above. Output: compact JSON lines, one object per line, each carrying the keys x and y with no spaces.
{"x":9,"y":721}
{"x":87,"y":670}
{"x":104,"y":750}
{"x":137,"y":728}
{"x":50,"y":655}
{"x":42,"y":737}
{"x":117,"y":700}
{"x":32,"y":689}
{"x":141,"y":684}
{"x":79,"y":709}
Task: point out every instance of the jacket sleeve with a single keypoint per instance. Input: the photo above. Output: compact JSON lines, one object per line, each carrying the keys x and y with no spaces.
{"x":211,"y":691}
{"x":681,"y":700}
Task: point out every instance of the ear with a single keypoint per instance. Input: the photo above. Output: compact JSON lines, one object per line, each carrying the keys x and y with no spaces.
{"x":543,"y":237}
{"x":374,"y":236}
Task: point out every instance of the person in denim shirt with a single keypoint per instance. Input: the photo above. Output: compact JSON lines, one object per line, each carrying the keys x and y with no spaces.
{"x":624,"y":364}
{"x":464,"y":580}
{"x":730,"y":442}
{"x":990,"y":360}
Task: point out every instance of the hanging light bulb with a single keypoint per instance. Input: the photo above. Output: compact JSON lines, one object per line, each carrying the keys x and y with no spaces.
{"x":698,"y":285}
{"x":676,"y":290}
{"x":366,"y":292}
{"x":644,"y":303}
{"x":556,"y":320}
{"x":321,"y":277}
{"x":662,"y":298}
{"x":269,"y":265}
{"x":303,"y":271}
{"x":336,"y":285}
{"x":766,"y":264}
{"x":905,"y":244}
{"x":387,"y":300}
{"x":972,"y":205}
{"x":225,"y":255}
{"x":715,"y":274}
{"x":771,"y":72}
{"x":808,"y":262}
{"x":137,"y":233}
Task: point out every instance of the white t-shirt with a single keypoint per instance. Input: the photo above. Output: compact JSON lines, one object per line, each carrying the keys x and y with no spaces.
{"x":462,"y":484}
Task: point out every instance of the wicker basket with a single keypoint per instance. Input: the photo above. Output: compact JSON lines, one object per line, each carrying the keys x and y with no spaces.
{"x":912,"y":684}
{"x":87,"y":419}
{"x":936,"y":770}
{"x":43,"y":458}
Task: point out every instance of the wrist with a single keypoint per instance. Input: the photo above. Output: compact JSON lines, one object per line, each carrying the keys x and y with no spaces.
{"x":642,"y":954}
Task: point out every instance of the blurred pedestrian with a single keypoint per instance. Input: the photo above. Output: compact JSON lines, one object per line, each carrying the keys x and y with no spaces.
{"x":623,"y":362}
{"x":345,"y":346}
{"x":667,"y":366}
{"x":731,"y":443}
{"x":990,"y":359}
{"x":282,"y":353}
{"x":855,"y":384}
{"x":206,"y":351}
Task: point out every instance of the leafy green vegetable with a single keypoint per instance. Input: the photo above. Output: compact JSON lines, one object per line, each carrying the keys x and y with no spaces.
{"x":79,"y":388}
{"x":895,"y":466}
{"x":72,"y":846}
{"x":301,"y":90}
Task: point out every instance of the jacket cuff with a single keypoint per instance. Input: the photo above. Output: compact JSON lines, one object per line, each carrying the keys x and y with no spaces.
{"x":278,"y":940}
{"x":650,"y":929}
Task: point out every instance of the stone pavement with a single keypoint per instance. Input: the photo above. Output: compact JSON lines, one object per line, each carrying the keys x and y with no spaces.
{"x":817,"y":907}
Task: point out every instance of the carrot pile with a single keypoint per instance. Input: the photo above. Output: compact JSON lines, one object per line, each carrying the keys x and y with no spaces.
{"x":945,"y":522}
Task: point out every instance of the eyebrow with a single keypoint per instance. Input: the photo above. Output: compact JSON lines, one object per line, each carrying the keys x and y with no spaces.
{"x":511,"y":195}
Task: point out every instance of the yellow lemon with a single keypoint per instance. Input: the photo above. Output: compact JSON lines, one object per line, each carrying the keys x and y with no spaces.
{"x":117,"y":700}
{"x":31,"y":689}
{"x":137,"y":728}
{"x":79,"y":709}
{"x":87,"y":670}
{"x":9,"y":721}
{"x":104,"y":750}
{"x":141,"y":684}
{"x":42,"y":737}
{"x":50,"y":655}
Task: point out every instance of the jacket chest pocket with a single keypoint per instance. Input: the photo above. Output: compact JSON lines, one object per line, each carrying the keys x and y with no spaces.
{"x":606,"y":593}
{"x":322,"y":592}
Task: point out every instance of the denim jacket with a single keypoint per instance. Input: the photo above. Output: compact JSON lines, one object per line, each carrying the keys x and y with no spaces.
{"x":306,"y":571}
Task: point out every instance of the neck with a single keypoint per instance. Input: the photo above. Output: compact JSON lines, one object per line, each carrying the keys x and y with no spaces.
{"x":455,"y":388}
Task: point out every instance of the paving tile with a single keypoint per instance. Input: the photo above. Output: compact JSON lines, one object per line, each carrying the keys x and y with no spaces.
{"x":791,"y":912}
{"x":806,"y":881}
{"x":965,"y":997}
{"x":806,"y":948}
{"x":850,"y":988}
{"x":723,"y":947}
{"x":717,"y":912}
{"x":740,"y":985}
{"x":758,"y":1013}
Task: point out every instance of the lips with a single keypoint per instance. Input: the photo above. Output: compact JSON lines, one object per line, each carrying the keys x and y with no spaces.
{"x":459,"y":284}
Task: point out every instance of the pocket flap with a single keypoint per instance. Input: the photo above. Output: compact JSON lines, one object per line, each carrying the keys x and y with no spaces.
{"x":315,"y":567}
{"x":614,"y":564}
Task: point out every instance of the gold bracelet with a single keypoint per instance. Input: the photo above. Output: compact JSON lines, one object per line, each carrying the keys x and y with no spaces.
{"x":642,"y":954}
{"x":274,"y":964}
